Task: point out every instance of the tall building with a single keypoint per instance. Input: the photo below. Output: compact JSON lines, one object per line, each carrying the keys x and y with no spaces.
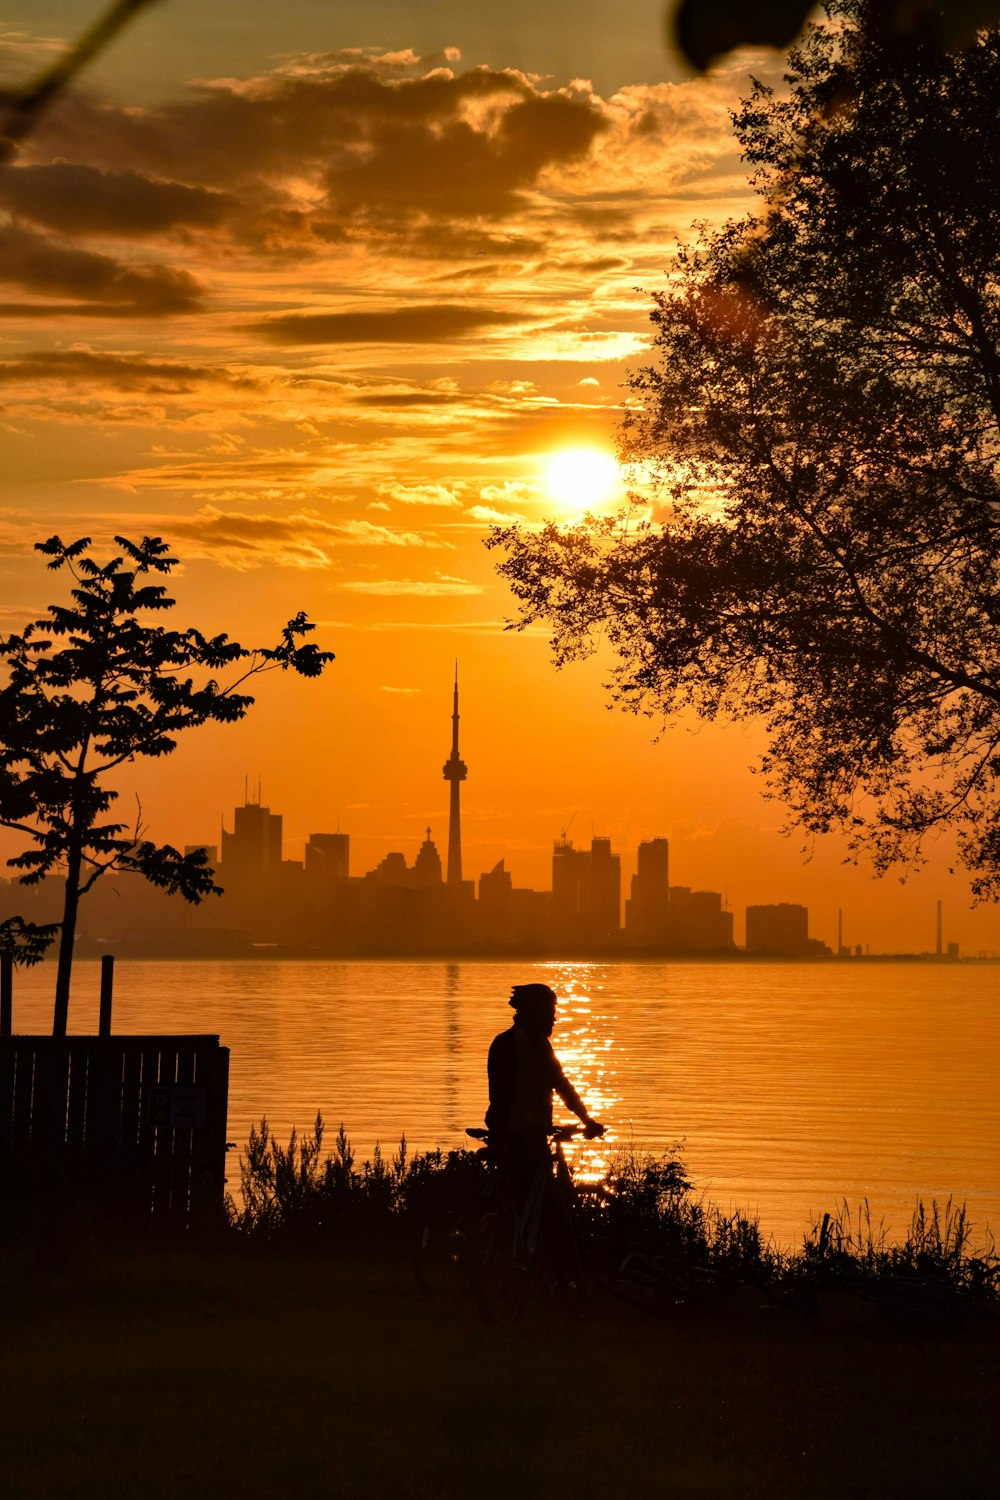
{"x":782,"y":928}
{"x":455,"y":772}
{"x":646,"y":909}
{"x":495,"y":901}
{"x":329,"y":855}
{"x":254,"y":846}
{"x":605,"y":903}
{"x":586,"y":892}
{"x":570,"y":871}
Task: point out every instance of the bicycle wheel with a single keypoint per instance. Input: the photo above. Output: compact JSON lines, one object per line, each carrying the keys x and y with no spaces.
{"x":498,"y":1283}
{"x":437,"y":1259}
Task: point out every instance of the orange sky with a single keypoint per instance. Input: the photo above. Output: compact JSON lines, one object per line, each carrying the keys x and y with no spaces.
{"x":318,"y":317}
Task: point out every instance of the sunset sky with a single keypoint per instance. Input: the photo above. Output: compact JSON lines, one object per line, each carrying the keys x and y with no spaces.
{"x":319,"y":292}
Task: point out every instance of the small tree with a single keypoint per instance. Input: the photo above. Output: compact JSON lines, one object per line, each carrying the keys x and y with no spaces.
{"x":823,"y":423}
{"x":91,"y":688}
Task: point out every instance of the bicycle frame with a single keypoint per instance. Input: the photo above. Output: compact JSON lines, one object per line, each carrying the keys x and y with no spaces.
{"x":551,"y":1185}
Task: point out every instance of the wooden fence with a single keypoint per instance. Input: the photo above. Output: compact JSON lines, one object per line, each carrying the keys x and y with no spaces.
{"x":131,"y":1129}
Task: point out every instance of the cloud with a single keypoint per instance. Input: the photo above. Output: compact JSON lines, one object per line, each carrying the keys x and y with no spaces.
{"x":405,"y":692}
{"x":454,"y":147}
{"x":120,"y":371}
{"x":392,"y":153}
{"x":25,"y":44}
{"x":75,"y":199}
{"x":421,"y":494}
{"x":97,"y":285}
{"x":391,"y":135}
{"x":366,"y":533}
{"x":243,"y":540}
{"x":429,"y":324}
{"x":405,"y":399}
{"x":438,"y":587}
{"x":463,"y":627}
{"x":512,"y":491}
{"x":390,"y":149}
{"x":491,"y":517}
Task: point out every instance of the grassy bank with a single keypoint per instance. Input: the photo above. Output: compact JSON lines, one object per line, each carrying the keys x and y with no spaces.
{"x":263,"y":1374}
{"x":303,"y":1196}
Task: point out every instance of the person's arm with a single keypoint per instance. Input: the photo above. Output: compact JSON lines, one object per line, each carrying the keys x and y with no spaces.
{"x":572,"y":1100}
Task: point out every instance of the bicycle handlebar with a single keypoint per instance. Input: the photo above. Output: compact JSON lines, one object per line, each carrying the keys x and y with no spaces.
{"x":559,"y":1133}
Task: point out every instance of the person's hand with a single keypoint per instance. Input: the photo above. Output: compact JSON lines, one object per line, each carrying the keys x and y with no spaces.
{"x":592,"y":1128}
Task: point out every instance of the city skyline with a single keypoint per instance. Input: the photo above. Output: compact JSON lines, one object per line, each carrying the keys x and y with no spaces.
{"x":648,"y":883}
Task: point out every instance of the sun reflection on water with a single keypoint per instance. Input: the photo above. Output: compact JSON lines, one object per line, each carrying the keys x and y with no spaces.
{"x":583,"y":1045}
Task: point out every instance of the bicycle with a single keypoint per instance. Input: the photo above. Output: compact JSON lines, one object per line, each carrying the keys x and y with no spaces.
{"x":509,"y":1238}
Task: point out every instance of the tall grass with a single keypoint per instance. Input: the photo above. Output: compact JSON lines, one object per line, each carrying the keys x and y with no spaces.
{"x":296,"y":1195}
{"x":853,"y":1250}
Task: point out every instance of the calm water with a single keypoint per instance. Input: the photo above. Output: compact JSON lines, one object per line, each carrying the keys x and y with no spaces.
{"x":792,"y":1086}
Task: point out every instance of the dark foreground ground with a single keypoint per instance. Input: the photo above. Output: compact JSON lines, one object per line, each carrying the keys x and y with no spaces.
{"x":228,"y":1375}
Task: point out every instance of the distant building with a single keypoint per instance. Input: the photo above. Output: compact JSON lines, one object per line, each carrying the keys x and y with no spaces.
{"x":328,"y":855}
{"x":496,"y":894}
{"x":697,"y":922}
{"x":782,"y":928}
{"x":586,"y":892}
{"x":392,"y":869}
{"x":604,"y":904}
{"x":253,"y":848}
{"x":570,"y":869}
{"x":647,"y":907}
{"x":427,"y":865}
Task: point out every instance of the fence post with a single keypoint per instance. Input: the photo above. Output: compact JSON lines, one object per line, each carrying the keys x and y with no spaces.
{"x":6,"y":993}
{"x":107,"y":986}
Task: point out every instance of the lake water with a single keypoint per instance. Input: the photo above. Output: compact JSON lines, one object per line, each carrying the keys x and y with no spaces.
{"x":792,"y":1086}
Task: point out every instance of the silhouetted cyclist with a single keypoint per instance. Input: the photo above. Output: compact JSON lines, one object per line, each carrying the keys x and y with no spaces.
{"x":524,"y":1073}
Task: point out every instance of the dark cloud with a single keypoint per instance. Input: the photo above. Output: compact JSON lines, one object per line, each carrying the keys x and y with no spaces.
{"x":75,"y":199}
{"x":388,"y":148}
{"x":398,"y":325}
{"x":438,"y":162}
{"x":438,"y":240}
{"x":404,"y":398}
{"x":89,"y":284}
{"x":597,"y":264}
{"x":122,"y":372}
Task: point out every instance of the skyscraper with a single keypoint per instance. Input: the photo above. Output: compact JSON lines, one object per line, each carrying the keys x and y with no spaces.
{"x":646,"y":910}
{"x":253,"y":849}
{"x":455,"y":771}
{"x":328,"y":855}
{"x":586,"y":892}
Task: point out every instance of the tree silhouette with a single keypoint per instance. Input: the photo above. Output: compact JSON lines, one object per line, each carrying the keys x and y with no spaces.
{"x":89,"y":690}
{"x":823,"y":428}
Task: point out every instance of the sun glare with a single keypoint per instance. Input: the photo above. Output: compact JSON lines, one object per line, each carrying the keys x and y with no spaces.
{"x":580,"y":478}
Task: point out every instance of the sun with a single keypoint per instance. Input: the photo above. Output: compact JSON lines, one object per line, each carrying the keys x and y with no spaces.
{"x":581,"y":478}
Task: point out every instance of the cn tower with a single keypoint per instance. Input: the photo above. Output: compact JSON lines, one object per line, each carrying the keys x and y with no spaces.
{"x":455,"y":771}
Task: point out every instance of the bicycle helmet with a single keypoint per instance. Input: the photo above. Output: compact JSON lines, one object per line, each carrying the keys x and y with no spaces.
{"x":532,"y":999}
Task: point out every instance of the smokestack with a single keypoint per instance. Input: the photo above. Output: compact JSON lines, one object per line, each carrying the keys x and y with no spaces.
{"x":840,"y":931}
{"x":939,"y":950}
